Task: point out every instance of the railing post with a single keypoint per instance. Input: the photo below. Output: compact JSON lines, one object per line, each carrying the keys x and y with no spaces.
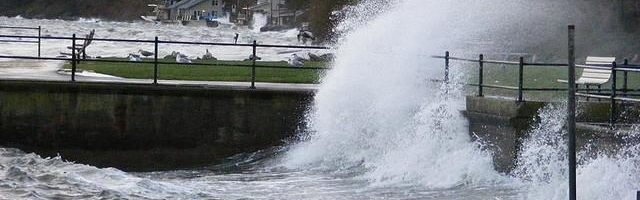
{"x":155,"y":63}
{"x":480,"y":75}
{"x":253,"y":66}
{"x":612,"y":117}
{"x":39,"y":40}
{"x":625,"y":77}
{"x":571,"y":114}
{"x":446,"y":67}
{"x":520,"y":79}
{"x":73,"y":58}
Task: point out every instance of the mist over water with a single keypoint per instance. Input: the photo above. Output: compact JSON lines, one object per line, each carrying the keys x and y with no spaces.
{"x":378,"y":112}
{"x":259,"y":21}
{"x":379,"y":128}
{"x":542,"y":162}
{"x":148,"y":31}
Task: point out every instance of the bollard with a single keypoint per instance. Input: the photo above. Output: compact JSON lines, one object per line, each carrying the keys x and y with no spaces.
{"x":571,"y":114}
{"x":39,"y":40}
{"x":253,"y":66}
{"x":612,"y":116}
{"x":446,"y":67}
{"x":480,"y":76}
{"x":520,"y":79}
{"x":73,"y":58}
{"x":155,"y":63}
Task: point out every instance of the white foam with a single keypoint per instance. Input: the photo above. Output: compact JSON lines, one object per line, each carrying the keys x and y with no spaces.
{"x":145,"y":31}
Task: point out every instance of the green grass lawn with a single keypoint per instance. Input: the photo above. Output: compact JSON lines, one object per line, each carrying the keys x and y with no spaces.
{"x":494,"y":74}
{"x":223,"y":71}
{"x":534,"y":77}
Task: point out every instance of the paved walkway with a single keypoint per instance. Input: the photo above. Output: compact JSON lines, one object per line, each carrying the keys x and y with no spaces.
{"x":48,"y":71}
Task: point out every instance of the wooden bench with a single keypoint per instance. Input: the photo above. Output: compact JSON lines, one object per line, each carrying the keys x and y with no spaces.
{"x":594,"y":77}
{"x":81,"y":49}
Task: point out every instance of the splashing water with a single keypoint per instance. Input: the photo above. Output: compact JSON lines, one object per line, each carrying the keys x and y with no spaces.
{"x":259,"y":21}
{"x":147,"y":31}
{"x":379,"y":127}
{"x":378,"y":108}
{"x":542,"y":163}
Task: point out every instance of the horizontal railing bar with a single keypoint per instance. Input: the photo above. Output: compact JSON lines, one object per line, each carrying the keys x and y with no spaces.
{"x":593,"y":96}
{"x":292,"y":47}
{"x":501,"y":62}
{"x":628,"y":69}
{"x":544,"y":89}
{"x":36,"y":37}
{"x":36,"y":58}
{"x":18,"y":41}
{"x":164,"y":63}
{"x":19,"y":27}
{"x":495,"y":86}
{"x":627,"y":99}
{"x":607,"y":97}
{"x":166,"y":42}
{"x":546,"y":64}
{"x":593,"y":67}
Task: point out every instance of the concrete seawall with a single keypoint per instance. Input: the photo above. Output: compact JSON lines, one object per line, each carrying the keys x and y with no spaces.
{"x":142,"y":127}
{"x":504,"y":123}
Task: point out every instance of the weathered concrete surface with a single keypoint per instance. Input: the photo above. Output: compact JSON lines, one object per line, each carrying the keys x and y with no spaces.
{"x":504,"y":123}
{"x":139,"y":127}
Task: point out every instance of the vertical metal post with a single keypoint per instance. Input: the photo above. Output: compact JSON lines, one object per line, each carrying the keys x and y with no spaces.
{"x":612,"y":117}
{"x":446,"y":67}
{"x":39,"y":40}
{"x":571,"y":114}
{"x":638,"y":196}
{"x":253,"y":66}
{"x":480,"y":75}
{"x":73,"y":58}
{"x":625,"y":77}
{"x":155,"y":63}
{"x":520,"y":79}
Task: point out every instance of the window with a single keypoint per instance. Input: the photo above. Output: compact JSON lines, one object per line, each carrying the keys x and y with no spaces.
{"x":214,"y":2}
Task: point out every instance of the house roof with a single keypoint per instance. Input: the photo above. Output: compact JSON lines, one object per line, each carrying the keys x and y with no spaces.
{"x":259,"y":6}
{"x":186,"y":4}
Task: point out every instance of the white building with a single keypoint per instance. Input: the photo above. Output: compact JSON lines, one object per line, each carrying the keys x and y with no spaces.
{"x":276,"y":11}
{"x":194,"y":9}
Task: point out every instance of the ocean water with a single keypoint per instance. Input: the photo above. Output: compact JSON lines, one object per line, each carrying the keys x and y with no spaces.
{"x":148,"y":31}
{"x":379,"y":127}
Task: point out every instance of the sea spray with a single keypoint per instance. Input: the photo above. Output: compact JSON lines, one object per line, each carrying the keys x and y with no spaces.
{"x":259,"y":21}
{"x":380,"y":109}
{"x":543,"y":165}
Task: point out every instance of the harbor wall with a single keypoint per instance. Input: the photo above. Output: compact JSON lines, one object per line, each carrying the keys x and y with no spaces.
{"x":502,"y":125}
{"x":144,"y":127}
{"x":140,"y":127}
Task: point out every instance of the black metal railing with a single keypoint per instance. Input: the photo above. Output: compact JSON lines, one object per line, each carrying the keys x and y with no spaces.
{"x":609,"y":93}
{"x":38,"y":41}
{"x":572,"y":92}
{"x":75,"y":58}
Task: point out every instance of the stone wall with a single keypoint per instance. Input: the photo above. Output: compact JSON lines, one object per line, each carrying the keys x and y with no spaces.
{"x":142,"y":127}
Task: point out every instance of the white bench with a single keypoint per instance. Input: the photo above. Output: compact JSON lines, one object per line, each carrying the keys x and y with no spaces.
{"x":595,"y":77}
